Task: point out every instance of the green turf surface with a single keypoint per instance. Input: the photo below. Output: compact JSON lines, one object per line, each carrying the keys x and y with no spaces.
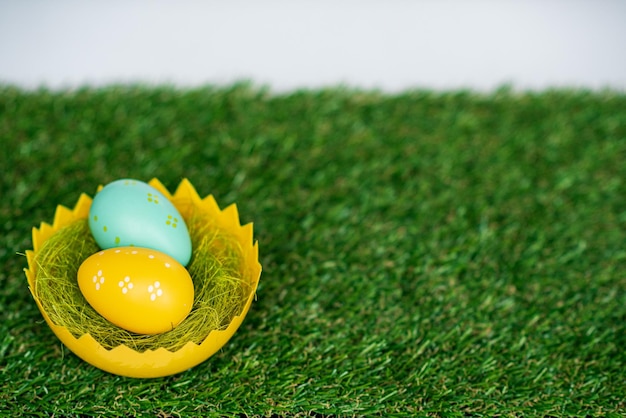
{"x":424,"y":253}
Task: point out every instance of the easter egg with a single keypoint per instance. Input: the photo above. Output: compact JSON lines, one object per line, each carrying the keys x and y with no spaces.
{"x":130,"y":212}
{"x":139,"y":289}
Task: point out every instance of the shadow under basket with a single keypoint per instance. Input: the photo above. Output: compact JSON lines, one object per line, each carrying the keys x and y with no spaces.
{"x":147,"y":356}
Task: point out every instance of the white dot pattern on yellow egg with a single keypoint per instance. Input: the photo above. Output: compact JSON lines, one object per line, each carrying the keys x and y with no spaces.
{"x":98,"y":279}
{"x":125,"y":284}
{"x":139,"y":289}
{"x":155,"y":291}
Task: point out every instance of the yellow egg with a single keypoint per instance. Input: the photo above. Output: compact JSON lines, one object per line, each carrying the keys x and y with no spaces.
{"x":138,"y":289}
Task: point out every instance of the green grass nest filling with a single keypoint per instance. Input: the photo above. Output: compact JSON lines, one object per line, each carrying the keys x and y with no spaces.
{"x":216,"y":268}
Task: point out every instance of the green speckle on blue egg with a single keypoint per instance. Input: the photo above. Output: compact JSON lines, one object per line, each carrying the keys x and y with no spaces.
{"x":130,"y":212}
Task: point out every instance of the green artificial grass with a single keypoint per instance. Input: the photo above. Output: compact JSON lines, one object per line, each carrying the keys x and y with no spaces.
{"x":424,"y":253}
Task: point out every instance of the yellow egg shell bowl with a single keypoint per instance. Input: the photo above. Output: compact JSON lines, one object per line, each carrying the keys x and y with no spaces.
{"x":126,"y":361}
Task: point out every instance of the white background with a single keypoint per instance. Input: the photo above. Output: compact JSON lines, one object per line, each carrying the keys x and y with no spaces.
{"x":386,"y":44}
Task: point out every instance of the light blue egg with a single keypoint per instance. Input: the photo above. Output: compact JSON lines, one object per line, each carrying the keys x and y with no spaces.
{"x":130,"y":212}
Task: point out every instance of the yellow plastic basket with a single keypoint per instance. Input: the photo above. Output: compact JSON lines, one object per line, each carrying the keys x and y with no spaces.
{"x":123,"y":360}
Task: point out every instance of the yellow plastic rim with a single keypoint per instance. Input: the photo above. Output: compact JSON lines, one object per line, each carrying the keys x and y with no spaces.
{"x":123,"y":360}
